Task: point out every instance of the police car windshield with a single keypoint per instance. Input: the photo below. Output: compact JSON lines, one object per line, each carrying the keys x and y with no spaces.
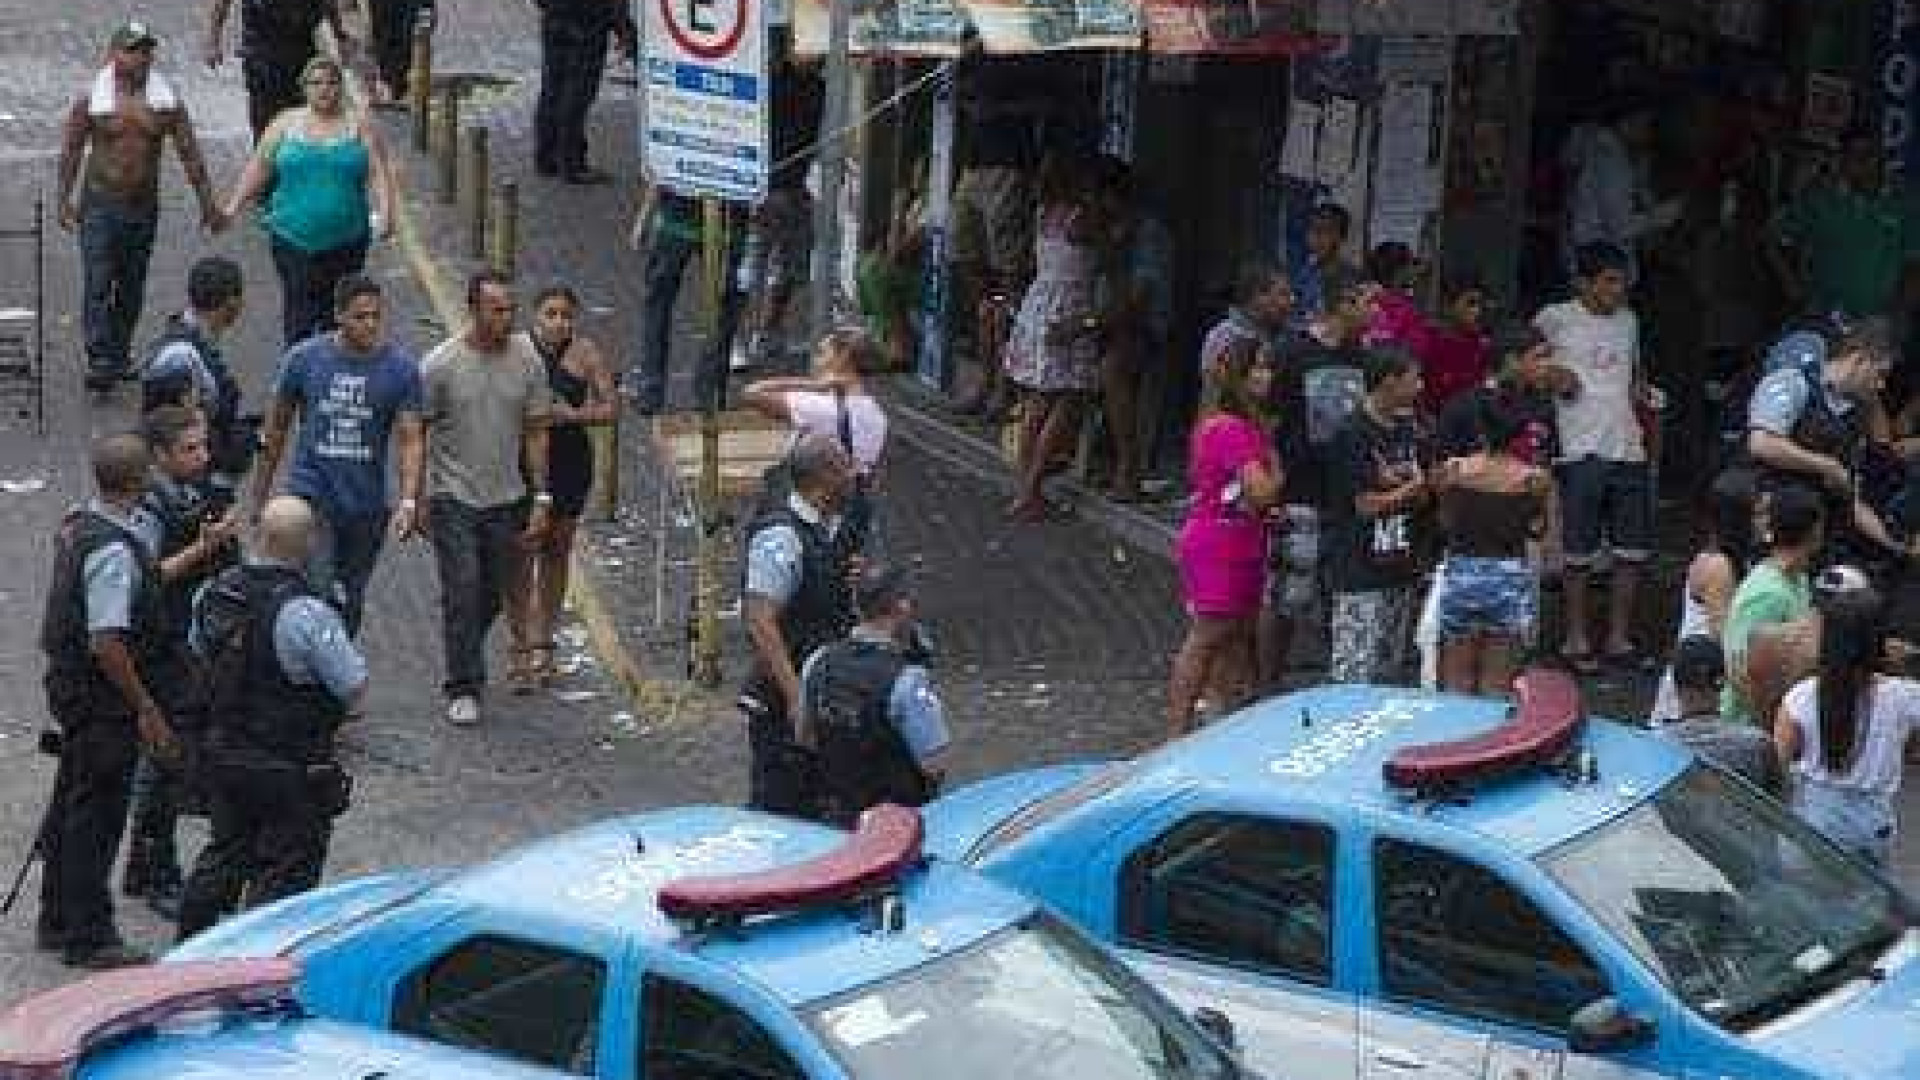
{"x":1034,"y":1001}
{"x":1744,"y":912}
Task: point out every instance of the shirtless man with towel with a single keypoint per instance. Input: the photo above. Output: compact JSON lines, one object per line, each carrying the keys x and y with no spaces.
{"x":117,"y":128}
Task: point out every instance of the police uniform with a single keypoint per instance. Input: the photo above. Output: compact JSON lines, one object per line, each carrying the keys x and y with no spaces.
{"x":188,"y":367}
{"x":799,"y":560}
{"x":179,"y":511}
{"x":276,"y":43}
{"x":874,"y":718}
{"x":573,"y":57}
{"x":280,"y":671}
{"x":104,"y":581}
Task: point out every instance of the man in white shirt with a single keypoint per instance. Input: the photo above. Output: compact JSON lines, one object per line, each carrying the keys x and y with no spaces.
{"x":1606,"y":488}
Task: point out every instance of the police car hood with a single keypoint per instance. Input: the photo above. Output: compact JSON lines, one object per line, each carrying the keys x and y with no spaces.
{"x":1864,"y":1030}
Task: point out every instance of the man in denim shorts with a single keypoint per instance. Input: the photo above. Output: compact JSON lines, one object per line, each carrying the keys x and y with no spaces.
{"x":1606,"y":487}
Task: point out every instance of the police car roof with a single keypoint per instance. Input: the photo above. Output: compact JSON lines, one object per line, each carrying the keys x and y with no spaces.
{"x":1327,"y":746}
{"x":293,"y":1050}
{"x":598,"y":886}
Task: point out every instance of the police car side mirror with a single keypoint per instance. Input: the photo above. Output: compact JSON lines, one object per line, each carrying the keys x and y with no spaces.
{"x":1605,"y":1027}
{"x":1215,"y":1024}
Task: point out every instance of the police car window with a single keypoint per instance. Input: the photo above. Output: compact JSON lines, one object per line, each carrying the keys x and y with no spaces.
{"x":527,"y":1001}
{"x":1455,"y":937}
{"x":692,"y":1035}
{"x":1244,"y":891}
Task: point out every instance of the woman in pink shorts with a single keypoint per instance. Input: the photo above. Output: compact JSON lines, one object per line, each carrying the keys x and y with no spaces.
{"x":1222,"y":549}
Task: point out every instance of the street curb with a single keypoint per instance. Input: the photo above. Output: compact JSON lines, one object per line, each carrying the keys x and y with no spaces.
{"x":913,"y":409}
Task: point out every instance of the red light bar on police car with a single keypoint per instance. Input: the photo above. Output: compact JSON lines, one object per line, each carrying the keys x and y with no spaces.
{"x":1546,"y":720}
{"x":46,"y":1036}
{"x":885,"y":843}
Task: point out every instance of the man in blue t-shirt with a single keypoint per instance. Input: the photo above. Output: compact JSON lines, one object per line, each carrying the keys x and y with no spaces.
{"x":353,"y":394}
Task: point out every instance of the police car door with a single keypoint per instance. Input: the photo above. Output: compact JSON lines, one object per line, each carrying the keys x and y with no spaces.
{"x":1473,"y":980}
{"x":1234,"y":911}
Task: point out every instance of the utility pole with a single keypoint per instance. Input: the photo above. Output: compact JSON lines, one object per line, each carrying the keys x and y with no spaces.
{"x":834,"y":121}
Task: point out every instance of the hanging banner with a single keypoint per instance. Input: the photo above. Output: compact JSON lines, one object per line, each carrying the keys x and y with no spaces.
{"x":1900,"y":88}
{"x":946,"y":28}
{"x":1231,"y":27}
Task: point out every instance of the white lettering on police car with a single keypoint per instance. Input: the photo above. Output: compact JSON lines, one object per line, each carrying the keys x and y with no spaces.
{"x":1340,"y":741}
{"x":642,"y":875}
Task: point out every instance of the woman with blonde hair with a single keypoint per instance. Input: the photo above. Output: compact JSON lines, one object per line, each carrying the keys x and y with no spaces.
{"x":324,"y":173}
{"x":1222,"y":549}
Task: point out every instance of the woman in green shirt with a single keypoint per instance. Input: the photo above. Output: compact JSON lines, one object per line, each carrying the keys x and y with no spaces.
{"x":329,"y":189}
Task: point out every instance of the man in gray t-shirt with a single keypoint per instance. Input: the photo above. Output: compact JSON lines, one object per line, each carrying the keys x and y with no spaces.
{"x":487,"y":408}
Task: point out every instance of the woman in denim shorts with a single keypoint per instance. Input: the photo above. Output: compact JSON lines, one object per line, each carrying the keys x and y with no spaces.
{"x":1491,"y":503}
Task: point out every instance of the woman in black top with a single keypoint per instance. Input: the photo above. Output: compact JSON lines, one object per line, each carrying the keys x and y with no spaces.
{"x":583,"y":395}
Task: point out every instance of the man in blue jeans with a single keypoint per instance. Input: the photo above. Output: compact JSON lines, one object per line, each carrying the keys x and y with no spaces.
{"x":672,"y":228}
{"x":353,"y":394}
{"x":116,"y":130}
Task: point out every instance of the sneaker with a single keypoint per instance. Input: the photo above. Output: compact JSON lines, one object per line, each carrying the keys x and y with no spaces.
{"x":163,"y":900}
{"x":107,"y":957}
{"x":463,"y":711}
{"x":740,"y":358}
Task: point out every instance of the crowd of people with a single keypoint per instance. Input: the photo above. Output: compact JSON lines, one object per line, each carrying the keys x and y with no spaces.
{"x":1422,"y":482}
{"x":1405,"y":481}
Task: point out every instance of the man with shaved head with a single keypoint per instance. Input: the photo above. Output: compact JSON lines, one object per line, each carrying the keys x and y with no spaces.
{"x":801,"y":557}
{"x":283,"y":674}
{"x":108,"y":657}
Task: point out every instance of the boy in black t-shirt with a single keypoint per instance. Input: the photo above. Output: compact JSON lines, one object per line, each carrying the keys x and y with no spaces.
{"x":1376,"y":484}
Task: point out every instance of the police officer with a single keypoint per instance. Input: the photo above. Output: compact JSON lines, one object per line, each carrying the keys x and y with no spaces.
{"x":1808,"y":424}
{"x":195,"y":538}
{"x":800,"y":562}
{"x":108,"y":653}
{"x":573,"y":57}
{"x":276,"y":41}
{"x":187,"y":367}
{"x":868,"y":711}
{"x":282,"y":675}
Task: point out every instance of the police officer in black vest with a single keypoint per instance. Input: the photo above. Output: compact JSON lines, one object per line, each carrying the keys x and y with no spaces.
{"x":573,"y":57}
{"x":196,"y":539}
{"x":801,"y":559}
{"x":276,"y":41}
{"x":187,"y":367}
{"x":282,"y":676}
{"x":109,"y":656}
{"x":868,"y":711}
{"x":1808,"y":423}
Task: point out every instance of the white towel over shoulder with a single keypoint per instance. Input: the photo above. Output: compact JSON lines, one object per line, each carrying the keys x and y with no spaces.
{"x":105,"y":95}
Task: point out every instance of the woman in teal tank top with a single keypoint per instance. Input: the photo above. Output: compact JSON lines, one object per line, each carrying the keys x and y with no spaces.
{"x":331,"y":193}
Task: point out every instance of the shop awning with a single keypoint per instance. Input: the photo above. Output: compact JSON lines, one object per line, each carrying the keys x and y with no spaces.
{"x":945,"y":28}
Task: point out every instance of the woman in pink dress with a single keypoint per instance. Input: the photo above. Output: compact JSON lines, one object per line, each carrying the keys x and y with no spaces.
{"x":1222,"y":548}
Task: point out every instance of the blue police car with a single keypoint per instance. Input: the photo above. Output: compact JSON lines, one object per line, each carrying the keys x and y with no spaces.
{"x":214,"y":1020}
{"x":719,"y":944}
{"x":1377,"y":883}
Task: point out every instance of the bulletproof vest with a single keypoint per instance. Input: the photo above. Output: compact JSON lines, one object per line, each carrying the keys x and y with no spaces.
{"x":863,"y":759}
{"x":258,"y":714}
{"x":181,"y":510}
{"x":64,"y":636}
{"x":229,"y":440}
{"x":821,"y":610}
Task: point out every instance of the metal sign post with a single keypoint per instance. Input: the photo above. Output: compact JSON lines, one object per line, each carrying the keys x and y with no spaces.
{"x":705,"y":116}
